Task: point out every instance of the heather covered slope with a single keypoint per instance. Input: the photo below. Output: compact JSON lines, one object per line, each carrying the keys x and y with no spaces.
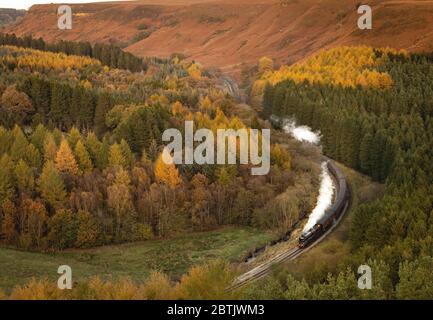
{"x":228,"y":34}
{"x":8,"y":16}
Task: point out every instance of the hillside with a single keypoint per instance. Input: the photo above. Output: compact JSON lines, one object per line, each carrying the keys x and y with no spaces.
{"x":227,"y":34}
{"x":10,"y":15}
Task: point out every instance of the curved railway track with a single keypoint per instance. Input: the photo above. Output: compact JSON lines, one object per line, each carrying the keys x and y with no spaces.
{"x":263,"y":269}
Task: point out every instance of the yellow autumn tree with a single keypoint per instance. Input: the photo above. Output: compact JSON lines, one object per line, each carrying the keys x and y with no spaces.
{"x":116,"y":157}
{"x":280,"y":157}
{"x":83,"y":157}
{"x":266,"y":64}
{"x":65,"y":161}
{"x":194,"y":71}
{"x":205,"y":104}
{"x":167,"y":173}
{"x":178,"y":109}
{"x":342,"y":66}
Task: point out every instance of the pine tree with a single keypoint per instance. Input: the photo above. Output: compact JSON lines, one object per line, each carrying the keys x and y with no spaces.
{"x":364,"y":153}
{"x":76,"y":98}
{"x":102,"y":107}
{"x":59,"y":104}
{"x":87,"y":110}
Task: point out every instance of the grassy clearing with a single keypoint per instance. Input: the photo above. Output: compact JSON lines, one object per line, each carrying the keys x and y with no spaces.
{"x":136,"y":261}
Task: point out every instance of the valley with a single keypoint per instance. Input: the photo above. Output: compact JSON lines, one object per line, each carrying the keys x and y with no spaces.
{"x":84,"y":176}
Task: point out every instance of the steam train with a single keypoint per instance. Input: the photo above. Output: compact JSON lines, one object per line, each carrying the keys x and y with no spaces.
{"x":331,"y":214}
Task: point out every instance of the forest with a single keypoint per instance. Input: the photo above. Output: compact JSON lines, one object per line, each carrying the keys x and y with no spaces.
{"x":385,"y":132}
{"x":80,"y":163}
{"x":109,"y":55}
{"x":80,"y":155}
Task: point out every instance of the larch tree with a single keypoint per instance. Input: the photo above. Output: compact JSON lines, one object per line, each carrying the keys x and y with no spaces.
{"x":6,"y":178}
{"x":266,"y":64}
{"x":24,"y":177}
{"x":83,"y":157}
{"x":33,"y":157}
{"x":50,"y":148}
{"x":194,"y":71}
{"x":177,"y":109}
{"x":167,"y":173}
{"x":120,"y":203}
{"x":19,"y":146}
{"x":116,"y":157}
{"x":127,"y":153}
{"x":74,"y":137}
{"x":51,"y":185}
{"x":65,"y":161}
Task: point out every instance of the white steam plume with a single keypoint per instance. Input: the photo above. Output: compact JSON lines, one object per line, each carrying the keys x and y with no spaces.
{"x":301,"y":133}
{"x":324,"y":199}
{"x":327,"y":187}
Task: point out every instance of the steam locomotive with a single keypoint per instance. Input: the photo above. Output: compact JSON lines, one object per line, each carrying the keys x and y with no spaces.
{"x":331,"y":214}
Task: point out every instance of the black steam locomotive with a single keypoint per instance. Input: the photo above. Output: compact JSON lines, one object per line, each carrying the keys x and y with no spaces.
{"x":333,"y":213}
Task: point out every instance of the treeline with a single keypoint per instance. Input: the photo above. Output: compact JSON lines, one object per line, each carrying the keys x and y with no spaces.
{"x":108,"y":54}
{"x":57,"y":104}
{"x":414,"y":283}
{"x":387,"y":134}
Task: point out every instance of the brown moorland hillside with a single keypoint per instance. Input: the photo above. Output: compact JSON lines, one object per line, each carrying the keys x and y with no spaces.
{"x":227,"y":34}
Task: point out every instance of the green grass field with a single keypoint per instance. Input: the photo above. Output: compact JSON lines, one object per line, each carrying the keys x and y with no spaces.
{"x":136,"y":261}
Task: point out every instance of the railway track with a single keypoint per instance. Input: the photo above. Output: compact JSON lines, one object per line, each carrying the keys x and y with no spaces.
{"x":263,"y":269}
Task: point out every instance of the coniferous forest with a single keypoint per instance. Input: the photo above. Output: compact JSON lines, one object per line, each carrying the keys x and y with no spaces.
{"x":385,"y":132}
